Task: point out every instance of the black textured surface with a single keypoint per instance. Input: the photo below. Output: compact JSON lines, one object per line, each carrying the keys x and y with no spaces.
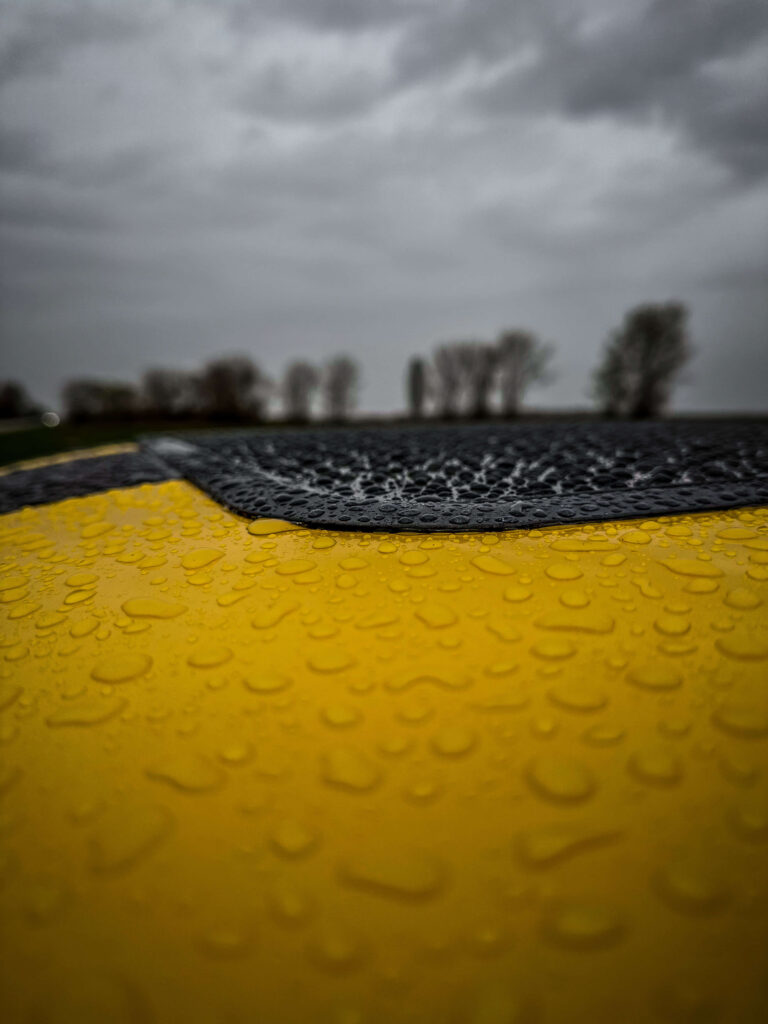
{"x":477,"y":477}
{"x":75,"y":479}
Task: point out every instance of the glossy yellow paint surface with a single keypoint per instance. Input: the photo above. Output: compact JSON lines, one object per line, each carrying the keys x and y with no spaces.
{"x":304,"y":776}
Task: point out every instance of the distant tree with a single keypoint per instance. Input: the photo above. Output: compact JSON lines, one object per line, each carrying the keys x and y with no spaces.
{"x":416,"y":385}
{"x":522,"y":360}
{"x":477,"y":361}
{"x":642,"y":360}
{"x":169,"y":392}
{"x":610,"y":383}
{"x":15,"y":402}
{"x":299,"y":385}
{"x":449,"y":376}
{"x":233,"y":387}
{"x":100,"y":400}
{"x":340,"y":383}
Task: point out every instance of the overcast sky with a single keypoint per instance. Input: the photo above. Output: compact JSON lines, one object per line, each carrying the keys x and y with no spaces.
{"x":295,"y":178}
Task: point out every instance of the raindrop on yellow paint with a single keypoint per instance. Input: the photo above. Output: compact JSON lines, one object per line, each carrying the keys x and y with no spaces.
{"x":152,"y":608}
{"x":453,"y":741}
{"x":209,"y":655}
{"x":349,"y":769}
{"x":120,"y":668}
{"x":263,"y":527}
{"x":561,"y":779}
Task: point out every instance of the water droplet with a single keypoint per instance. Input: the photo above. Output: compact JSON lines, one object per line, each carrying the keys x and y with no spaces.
{"x":553,"y":649}
{"x":125,"y":835}
{"x":576,"y":696}
{"x":562,"y":779}
{"x":225,"y":941}
{"x":120,"y":668}
{"x":493,"y":565}
{"x":692,"y":567}
{"x":736,"y":533}
{"x":187,"y":771}
{"x":551,"y":844}
{"x":152,"y":608}
{"x":266,"y":618}
{"x":672,"y":625}
{"x":199,"y":558}
{"x":563,"y":571}
{"x":749,"y":820}
{"x":655,"y":677}
{"x":289,"y":906}
{"x":88,"y":711}
{"x":517,"y":594}
{"x":340,"y":715}
{"x":81,"y":579}
{"x":83,"y":627}
{"x":329,"y":661}
{"x":413,"y":558}
{"x":422,"y":791}
{"x":453,"y":741}
{"x":656,"y":765}
{"x":692,"y":886}
{"x":9,"y":693}
{"x":13,"y":583}
{"x":295,"y":566}
{"x":741,"y":719}
{"x":349,"y":769}
{"x":263,"y":527}
{"x":405,"y":875}
{"x":236,"y":752}
{"x":742,"y":599}
{"x":436,"y":616}
{"x":266,"y":683}
{"x":92,"y":530}
{"x":336,"y":949}
{"x":291,"y":838}
{"x":742,"y":646}
{"x":584,"y":926}
{"x":635,"y":537}
{"x":209,"y":655}
{"x":574,"y":599}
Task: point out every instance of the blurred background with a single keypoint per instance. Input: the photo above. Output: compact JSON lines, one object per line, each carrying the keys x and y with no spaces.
{"x":221,"y":212}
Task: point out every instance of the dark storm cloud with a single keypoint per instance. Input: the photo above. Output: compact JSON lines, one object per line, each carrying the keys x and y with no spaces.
{"x":658,"y":62}
{"x":45,"y":32}
{"x":183,"y":177}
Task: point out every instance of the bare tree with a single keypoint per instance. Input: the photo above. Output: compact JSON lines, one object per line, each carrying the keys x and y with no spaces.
{"x":523,"y":360}
{"x":609,"y":380}
{"x":340,"y":383}
{"x":100,"y":400}
{"x":417,"y":382}
{"x":478,"y":361}
{"x":642,"y":360}
{"x":169,"y":392}
{"x":15,"y":402}
{"x":448,"y":379}
{"x":299,"y":385}
{"x":233,"y":387}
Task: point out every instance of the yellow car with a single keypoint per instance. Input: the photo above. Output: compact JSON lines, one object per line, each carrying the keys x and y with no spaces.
{"x":461,"y":726}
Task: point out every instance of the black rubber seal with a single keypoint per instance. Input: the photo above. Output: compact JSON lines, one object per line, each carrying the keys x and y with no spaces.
{"x":46,"y":484}
{"x":470,"y":478}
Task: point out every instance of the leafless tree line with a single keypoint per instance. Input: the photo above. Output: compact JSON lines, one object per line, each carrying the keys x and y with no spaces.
{"x":639,"y":365}
{"x":466,"y":378}
{"x":229,"y":389}
{"x":634,"y":378}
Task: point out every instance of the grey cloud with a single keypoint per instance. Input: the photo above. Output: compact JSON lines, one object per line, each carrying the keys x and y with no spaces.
{"x":654,"y":64}
{"x":45,"y":32}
